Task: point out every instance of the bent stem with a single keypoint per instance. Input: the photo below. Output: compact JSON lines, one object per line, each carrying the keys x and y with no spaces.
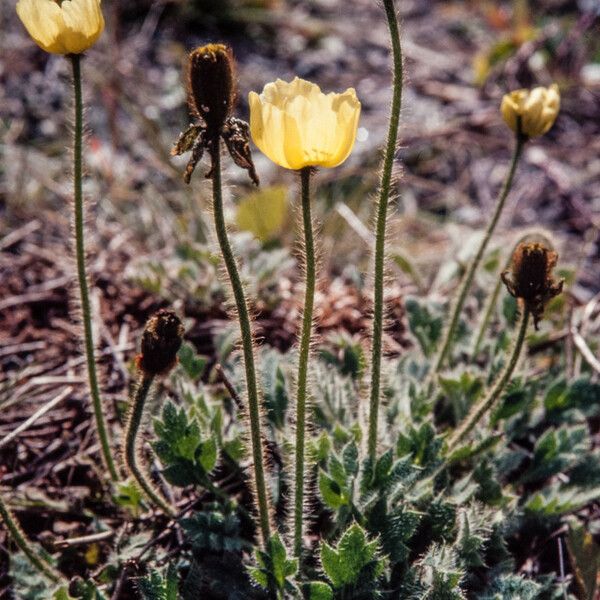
{"x":84,"y":295}
{"x":247,"y":344}
{"x":380,"y":227}
{"x":468,"y":277}
{"x":131,"y":450}
{"x":487,"y":403}
{"x":21,"y":540}
{"x":307,"y":317}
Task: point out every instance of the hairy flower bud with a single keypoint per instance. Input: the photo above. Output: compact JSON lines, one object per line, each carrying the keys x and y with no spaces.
{"x":161,"y":341}
{"x":530,"y":277}
{"x":211,"y":85}
{"x":535,"y":109}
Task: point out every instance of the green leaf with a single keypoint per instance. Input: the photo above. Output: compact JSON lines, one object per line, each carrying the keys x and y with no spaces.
{"x":192,"y":363}
{"x":275,"y":568}
{"x":128,"y":495}
{"x":345,"y":564}
{"x":406,"y":266}
{"x":276,"y":398}
{"x":263,"y":213}
{"x":186,"y":457}
{"x":215,"y":531}
{"x":556,"y":451}
{"x":156,"y":586}
{"x":206,"y":454}
{"x":317,"y":590}
{"x":334,"y":496}
{"x":424,"y":326}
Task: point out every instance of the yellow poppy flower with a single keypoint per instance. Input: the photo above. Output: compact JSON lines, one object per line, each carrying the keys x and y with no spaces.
{"x":70,"y":27}
{"x":538,"y":109}
{"x":296,"y":125}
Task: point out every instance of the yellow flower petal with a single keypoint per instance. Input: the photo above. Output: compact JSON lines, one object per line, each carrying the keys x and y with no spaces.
{"x":43,"y":21}
{"x":296,"y":125}
{"x":69,"y":28}
{"x":538,"y":109}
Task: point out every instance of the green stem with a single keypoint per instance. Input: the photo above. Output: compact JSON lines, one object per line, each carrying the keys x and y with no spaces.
{"x":307,"y":318}
{"x":486,"y":403}
{"x":84,"y":295}
{"x":131,"y":450}
{"x":470,"y":273}
{"x":489,"y":310}
{"x":19,"y":537}
{"x":247,"y":345}
{"x":382,"y":209}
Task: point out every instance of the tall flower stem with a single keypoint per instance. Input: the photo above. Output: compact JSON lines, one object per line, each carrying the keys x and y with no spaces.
{"x":19,"y":537}
{"x":382,"y":210}
{"x":131,"y":450}
{"x":488,"y":401}
{"x":307,"y":317}
{"x":84,"y":295}
{"x":247,"y":344}
{"x":468,"y":277}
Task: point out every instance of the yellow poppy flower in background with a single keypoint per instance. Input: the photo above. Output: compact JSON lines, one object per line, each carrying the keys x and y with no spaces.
{"x":70,"y":27}
{"x":296,"y":125}
{"x":538,"y":109}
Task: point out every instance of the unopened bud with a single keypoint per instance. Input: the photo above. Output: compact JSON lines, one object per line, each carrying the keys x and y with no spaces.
{"x":161,"y":341}
{"x":531,"y":112}
{"x":530,"y":277}
{"x":211,"y":85}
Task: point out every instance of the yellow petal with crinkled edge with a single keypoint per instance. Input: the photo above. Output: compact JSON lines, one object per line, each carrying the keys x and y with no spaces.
{"x":537,"y":108}
{"x":69,"y":28}
{"x":296,"y":125}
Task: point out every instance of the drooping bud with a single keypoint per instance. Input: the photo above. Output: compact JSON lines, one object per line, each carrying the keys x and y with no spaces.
{"x":530,"y":277}
{"x":211,"y":84}
{"x":161,"y":341}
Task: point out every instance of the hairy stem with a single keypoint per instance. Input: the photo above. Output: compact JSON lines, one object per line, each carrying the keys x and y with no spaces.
{"x":309,"y":296}
{"x":20,"y":539}
{"x":84,"y":295}
{"x":487,"y":315}
{"x":380,"y":227}
{"x":488,"y":401}
{"x":247,"y":345}
{"x":468,"y":277}
{"x":131,"y":450}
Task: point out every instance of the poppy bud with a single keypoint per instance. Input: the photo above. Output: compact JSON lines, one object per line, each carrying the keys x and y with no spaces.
{"x":531,"y":112}
{"x":211,"y":85}
{"x":530,"y":277}
{"x":161,"y":341}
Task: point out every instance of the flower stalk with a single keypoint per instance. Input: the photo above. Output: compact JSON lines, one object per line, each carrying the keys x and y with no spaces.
{"x":161,"y":340}
{"x":531,"y":281}
{"x":380,"y":227}
{"x":307,"y":319}
{"x":469,"y":275}
{"x":488,"y":402}
{"x":131,"y":448}
{"x":258,"y":454}
{"x":84,"y":295}
{"x":41,"y":564}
